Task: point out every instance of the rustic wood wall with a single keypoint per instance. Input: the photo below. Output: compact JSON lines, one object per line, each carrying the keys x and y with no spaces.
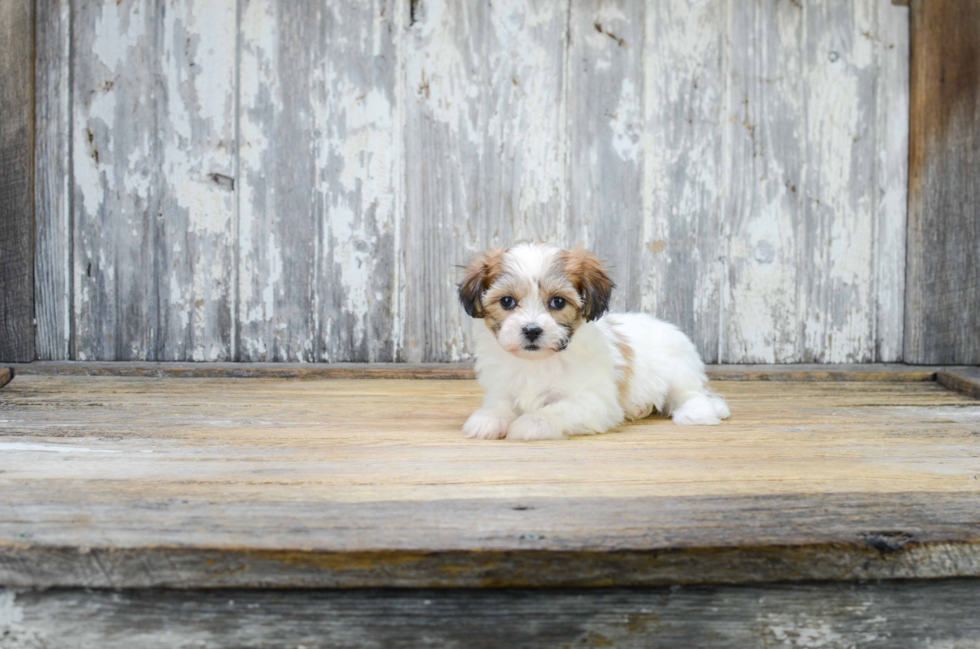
{"x":262,"y":180}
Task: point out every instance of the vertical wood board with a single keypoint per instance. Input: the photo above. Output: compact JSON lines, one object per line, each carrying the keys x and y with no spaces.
{"x":17,"y":181}
{"x":943,"y":260}
{"x":52,"y":181}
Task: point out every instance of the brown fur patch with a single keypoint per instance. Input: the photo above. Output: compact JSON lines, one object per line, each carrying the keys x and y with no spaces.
{"x":480,"y":274}
{"x":589,"y":277}
{"x":624,"y":383}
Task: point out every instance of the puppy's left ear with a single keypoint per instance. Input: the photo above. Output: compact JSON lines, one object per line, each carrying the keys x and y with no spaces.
{"x":591,"y":280}
{"x":479,"y":276}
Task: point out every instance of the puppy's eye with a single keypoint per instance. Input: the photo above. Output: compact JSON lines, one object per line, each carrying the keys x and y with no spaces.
{"x":508,"y":303}
{"x":557,"y":303}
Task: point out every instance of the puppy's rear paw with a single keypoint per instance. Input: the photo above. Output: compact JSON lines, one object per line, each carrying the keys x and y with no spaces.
{"x":698,"y":411}
{"x":485,"y":424}
{"x":530,"y":427}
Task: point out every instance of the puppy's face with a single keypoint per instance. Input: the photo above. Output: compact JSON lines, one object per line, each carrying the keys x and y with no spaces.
{"x":534,"y":297}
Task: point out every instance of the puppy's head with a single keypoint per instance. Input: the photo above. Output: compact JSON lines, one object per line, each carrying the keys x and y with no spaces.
{"x":534,"y":297}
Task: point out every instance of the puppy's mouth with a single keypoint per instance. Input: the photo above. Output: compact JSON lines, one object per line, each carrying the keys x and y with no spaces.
{"x":535,"y":347}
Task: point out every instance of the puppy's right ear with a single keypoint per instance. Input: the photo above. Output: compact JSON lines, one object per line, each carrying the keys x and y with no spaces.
{"x":479,"y":276}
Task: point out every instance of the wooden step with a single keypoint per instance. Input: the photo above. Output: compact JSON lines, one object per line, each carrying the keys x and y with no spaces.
{"x":123,"y":482}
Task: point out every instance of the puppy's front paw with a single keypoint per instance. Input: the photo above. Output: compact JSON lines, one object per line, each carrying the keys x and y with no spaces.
{"x":528,"y":427}
{"x":485,"y":424}
{"x":698,"y":411}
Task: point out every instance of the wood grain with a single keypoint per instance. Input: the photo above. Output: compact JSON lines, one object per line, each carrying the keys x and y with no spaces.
{"x":943,"y":272}
{"x":764,"y":187}
{"x":52,"y":194}
{"x":682,"y":259}
{"x":892,"y":615}
{"x":136,"y":482}
{"x":194,"y":103}
{"x":892,"y":169}
{"x":836,"y":262}
{"x":965,"y":380}
{"x":785,"y":372}
{"x":17,"y":181}
{"x":115,"y":176}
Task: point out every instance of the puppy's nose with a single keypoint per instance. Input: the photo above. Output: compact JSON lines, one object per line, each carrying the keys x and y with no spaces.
{"x":532,"y":332}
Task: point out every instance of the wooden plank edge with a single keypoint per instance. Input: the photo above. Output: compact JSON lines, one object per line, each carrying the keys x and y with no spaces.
{"x":6,"y":376}
{"x":965,"y":380}
{"x":878,"y":557}
{"x":808,"y":372}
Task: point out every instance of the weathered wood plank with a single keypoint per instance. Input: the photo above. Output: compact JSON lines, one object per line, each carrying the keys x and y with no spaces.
{"x":605,"y":139}
{"x":281,"y":47}
{"x":17,"y":181}
{"x":358,"y":203}
{"x":483,"y":543}
{"x":127,"y":482}
{"x":52,"y":203}
{"x":892,"y":167}
{"x":785,"y":372}
{"x":765,"y":186}
{"x":943,"y":272}
{"x":260,"y":370}
{"x":115,"y":202}
{"x":884,"y":615}
{"x":683,"y":178}
{"x":321,"y":176}
{"x":836,"y":262}
{"x":484,"y":151}
{"x":193,"y":179}
{"x":965,"y":380}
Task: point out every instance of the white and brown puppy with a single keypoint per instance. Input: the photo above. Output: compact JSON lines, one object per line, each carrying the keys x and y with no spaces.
{"x":553,"y":366}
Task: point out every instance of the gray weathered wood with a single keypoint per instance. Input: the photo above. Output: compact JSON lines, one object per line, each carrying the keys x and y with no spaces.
{"x":17,"y":181}
{"x":764,"y":184}
{"x":484,"y":152}
{"x":481,"y":543}
{"x":279,"y":50}
{"x":153,"y":139}
{"x":194,"y":227}
{"x":305,"y":194}
{"x":360,"y":165}
{"x":836,"y":263}
{"x":943,"y":273}
{"x":320,"y":173}
{"x":755,"y":372}
{"x":882,"y":615}
{"x":682,"y":258}
{"x":52,"y":204}
{"x":115,"y":203}
{"x":606,"y":138}
{"x":892,"y":163}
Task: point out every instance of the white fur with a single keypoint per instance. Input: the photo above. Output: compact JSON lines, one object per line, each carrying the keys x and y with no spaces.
{"x":553,"y":394}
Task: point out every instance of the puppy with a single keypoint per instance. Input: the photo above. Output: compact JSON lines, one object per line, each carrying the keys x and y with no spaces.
{"x":553,"y":366}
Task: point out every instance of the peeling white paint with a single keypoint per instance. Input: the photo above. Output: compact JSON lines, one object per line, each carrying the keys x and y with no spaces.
{"x":738,"y":122}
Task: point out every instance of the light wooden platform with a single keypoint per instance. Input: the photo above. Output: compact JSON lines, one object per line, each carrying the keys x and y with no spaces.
{"x":113,"y":481}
